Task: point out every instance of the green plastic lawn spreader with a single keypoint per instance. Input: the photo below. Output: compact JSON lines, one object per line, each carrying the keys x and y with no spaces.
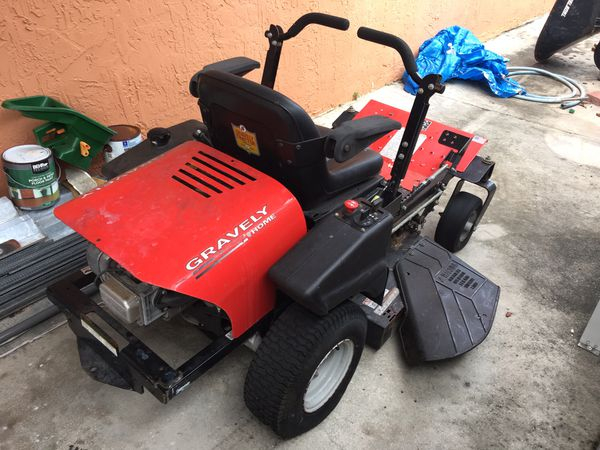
{"x":70,"y":135}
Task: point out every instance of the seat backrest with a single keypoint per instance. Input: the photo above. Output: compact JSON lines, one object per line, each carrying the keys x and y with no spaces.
{"x":250,"y":122}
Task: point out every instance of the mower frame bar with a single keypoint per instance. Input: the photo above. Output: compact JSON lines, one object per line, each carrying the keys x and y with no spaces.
{"x":142,"y":366}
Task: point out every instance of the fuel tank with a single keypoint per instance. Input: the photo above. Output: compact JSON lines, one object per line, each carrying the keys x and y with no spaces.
{"x":198,"y":222}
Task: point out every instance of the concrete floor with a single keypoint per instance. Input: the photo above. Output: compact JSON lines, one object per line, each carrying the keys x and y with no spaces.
{"x":526,"y":386}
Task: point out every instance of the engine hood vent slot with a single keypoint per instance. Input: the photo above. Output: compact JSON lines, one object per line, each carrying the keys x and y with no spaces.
{"x":191,"y":186}
{"x":230,"y":167}
{"x":208,"y":175}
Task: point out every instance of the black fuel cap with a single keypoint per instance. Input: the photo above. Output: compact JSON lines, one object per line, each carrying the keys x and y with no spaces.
{"x":159,"y":136}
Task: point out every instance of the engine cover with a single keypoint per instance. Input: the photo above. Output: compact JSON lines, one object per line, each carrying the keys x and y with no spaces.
{"x":197,"y":222}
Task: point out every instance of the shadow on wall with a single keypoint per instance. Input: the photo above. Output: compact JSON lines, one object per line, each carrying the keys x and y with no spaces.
{"x":121,"y":61}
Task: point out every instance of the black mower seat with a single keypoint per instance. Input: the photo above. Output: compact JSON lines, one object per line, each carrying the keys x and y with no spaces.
{"x":286,"y":143}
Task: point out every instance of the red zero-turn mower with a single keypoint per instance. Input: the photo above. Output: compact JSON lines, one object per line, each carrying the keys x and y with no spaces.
{"x":258,"y":225}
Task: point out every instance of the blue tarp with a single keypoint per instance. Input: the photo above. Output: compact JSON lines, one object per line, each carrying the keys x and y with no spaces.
{"x":455,"y":52}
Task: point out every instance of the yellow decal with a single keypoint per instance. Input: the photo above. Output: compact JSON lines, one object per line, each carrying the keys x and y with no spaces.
{"x":246,"y":140}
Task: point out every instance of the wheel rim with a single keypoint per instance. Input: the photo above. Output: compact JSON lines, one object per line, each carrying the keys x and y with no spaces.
{"x":328,"y":375}
{"x":468,"y":226}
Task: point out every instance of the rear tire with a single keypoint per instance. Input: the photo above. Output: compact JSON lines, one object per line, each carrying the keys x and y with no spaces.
{"x":456,"y":224}
{"x":283,"y":388}
{"x":597,"y":55}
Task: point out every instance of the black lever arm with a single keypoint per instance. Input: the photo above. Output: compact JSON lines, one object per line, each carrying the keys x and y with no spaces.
{"x":389,"y":40}
{"x":277,"y":36}
{"x":428,"y":85}
{"x":327,"y":20}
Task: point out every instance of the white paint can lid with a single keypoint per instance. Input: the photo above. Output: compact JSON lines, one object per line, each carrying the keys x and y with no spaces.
{"x":24,"y":154}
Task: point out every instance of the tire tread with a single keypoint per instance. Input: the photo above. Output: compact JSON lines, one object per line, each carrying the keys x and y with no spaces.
{"x":453,"y":220}
{"x":278,"y":361}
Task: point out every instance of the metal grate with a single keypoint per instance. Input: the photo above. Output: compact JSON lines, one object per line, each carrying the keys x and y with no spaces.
{"x":208,"y":175}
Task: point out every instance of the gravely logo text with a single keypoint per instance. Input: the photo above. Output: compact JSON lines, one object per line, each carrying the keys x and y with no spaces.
{"x":233,"y":238}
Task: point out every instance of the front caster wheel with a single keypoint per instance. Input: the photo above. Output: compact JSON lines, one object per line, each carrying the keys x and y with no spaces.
{"x":303,"y":367}
{"x":458,"y":221}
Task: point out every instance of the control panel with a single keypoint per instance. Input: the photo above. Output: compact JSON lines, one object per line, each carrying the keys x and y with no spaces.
{"x":360,"y":214}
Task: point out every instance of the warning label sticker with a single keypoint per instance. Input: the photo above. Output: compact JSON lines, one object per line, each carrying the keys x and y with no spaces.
{"x":246,"y":140}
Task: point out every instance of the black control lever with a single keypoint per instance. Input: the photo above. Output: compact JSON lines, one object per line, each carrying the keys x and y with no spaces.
{"x":389,"y":40}
{"x":277,"y":36}
{"x":428,"y":86}
{"x":326,"y":20}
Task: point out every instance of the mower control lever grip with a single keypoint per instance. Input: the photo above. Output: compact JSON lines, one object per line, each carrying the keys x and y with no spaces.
{"x":326,"y":20}
{"x":389,"y":40}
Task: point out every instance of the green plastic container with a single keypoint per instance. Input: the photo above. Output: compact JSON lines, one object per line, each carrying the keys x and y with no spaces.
{"x":70,"y":135}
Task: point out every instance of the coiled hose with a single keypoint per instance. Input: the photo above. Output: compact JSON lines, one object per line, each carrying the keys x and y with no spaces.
{"x":576,"y":96}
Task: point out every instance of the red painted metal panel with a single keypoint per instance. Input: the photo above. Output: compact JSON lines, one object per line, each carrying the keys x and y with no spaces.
{"x":182,"y":235}
{"x":470,"y":153}
{"x":428,"y":156}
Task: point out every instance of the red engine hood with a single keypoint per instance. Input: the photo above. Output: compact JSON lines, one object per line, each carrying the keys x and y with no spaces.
{"x":198,"y":222}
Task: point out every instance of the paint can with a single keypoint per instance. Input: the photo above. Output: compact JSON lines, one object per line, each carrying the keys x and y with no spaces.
{"x":128,"y":136}
{"x":31,"y":175}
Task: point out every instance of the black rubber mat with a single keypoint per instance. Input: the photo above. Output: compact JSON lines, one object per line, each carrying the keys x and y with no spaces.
{"x":450,"y":306}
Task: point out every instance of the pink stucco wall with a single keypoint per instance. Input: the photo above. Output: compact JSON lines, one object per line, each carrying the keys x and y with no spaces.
{"x":122,"y":61}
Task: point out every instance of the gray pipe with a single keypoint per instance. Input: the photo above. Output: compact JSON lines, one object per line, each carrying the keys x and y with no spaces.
{"x":576,"y":96}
